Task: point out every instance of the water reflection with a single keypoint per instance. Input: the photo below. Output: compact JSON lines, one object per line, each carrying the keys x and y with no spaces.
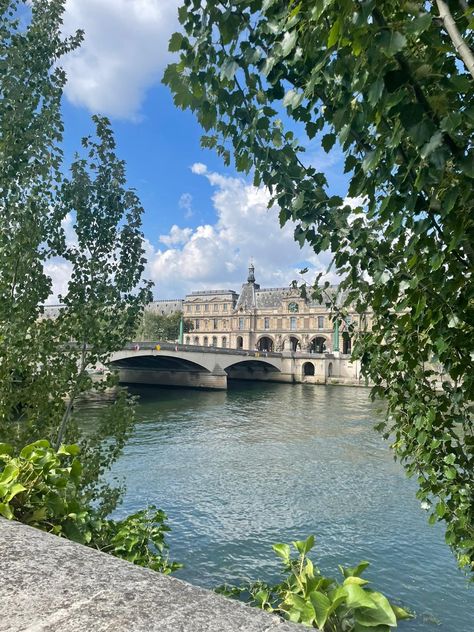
{"x":262,"y":463}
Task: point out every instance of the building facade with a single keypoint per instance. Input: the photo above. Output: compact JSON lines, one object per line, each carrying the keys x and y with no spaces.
{"x":265,"y":319}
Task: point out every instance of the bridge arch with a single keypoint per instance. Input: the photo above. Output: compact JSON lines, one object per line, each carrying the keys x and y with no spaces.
{"x":251,"y":368}
{"x":140,"y":361}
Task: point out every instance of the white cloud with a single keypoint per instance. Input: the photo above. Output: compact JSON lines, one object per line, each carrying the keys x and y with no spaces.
{"x":176,"y":236}
{"x":123,"y":53}
{"x":186,"y":203}
{"x":198,"y":168}
{"x":60,"y":272}
{"x":217,"y":255}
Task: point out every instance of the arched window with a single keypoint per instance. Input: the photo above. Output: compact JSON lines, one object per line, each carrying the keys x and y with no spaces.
{"x":196,"y":340}
{"x":265,"y":344}
{"x":206,"y":341}
{"x":214,"y":341}
{"x":330,"y":369}
{"x":346,"y":343}
{"x":294,"y":343}
{"x":224,"y":342}
{"x":308,"y":368}
{"x":188,"y":340}
{"x":240,"y":342}
{"x":318,"y":345}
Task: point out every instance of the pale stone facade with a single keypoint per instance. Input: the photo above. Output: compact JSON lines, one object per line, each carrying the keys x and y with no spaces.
{"x":264,"y":319}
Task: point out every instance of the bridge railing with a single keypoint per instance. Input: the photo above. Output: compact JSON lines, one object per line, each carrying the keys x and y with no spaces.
{"x":171,"y":346}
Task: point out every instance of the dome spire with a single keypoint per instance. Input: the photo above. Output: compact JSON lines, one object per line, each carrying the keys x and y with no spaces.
{"x":251,"y":276}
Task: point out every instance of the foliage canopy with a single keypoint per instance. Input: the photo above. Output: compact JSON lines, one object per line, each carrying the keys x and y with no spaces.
{"x":380,"y":81}
{"x":88,"y":222}
{"x":156,"y":326}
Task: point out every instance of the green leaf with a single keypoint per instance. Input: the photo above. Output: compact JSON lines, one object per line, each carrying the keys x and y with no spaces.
{"x":392,"y":42}
{"x":293,"y":99}
{"x":355,"y":571}
{"x":328,"y":141}
{"x":401,"y":613}
{"x":229,"y":69}
{"x":175,"y":42}
{"x":419,"y":24}
{"x":357,"y":597}
{"x":6,"y":512}
{"x":15,"y":489}
{"x":375,"y":91}
{"x":282,"y":550}
{"x":334,"y":33}
{"x":434,"y":142}
{"x":9,"y":473}
{"x":381,"y":613}
{"x":321,"y":605}
{"x":72,"y":450}
{"x":355,"y":580}
{"x":289,"y":42}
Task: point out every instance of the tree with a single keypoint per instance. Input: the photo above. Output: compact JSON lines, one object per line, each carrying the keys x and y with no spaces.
{"x":43,"y":362}
{"x":383,"y":82}
{"x":162,"y":326}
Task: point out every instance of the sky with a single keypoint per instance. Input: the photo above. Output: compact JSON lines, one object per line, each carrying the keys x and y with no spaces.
{"x":203,"y":222}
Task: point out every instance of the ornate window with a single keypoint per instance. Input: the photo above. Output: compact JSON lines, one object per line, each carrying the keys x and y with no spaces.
{"x":196,"y":324}
{"x":293,"y":307}
{"x":320,"y":322}
{"x":241,"y":323}
{"x":225,"y":307}
{"x":266,"y":322}
{"x":215,"y":307}
{"x":206,"y":307}
{"x":198,"y":308}
{"x":224,"y":342}
{"x":214,"y":341}
{"x":206,"y":341}
{"x":293,"y":323}
{"x":215,"y":323}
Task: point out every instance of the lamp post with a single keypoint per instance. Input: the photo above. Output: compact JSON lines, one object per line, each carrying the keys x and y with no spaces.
{"x":335,"y":342}
{"x":181,"y":330}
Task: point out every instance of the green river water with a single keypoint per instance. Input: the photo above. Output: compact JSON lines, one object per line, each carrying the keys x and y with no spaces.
{"x":261,"y":463}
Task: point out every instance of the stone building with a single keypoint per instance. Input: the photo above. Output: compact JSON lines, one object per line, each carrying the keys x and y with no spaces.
{"x":263,"y":319}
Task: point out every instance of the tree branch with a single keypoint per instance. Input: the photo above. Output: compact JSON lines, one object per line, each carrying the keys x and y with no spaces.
{"x":462,"y":49}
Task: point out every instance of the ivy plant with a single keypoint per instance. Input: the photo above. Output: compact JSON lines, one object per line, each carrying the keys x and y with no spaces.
{"x":306,"y":596}
{"x":41,"y":487}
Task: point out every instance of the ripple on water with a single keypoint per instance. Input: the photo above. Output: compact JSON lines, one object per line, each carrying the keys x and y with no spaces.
{"x":239,"y":470}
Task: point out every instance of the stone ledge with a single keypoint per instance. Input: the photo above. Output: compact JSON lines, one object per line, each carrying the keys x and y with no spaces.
{"x":49,"y":584}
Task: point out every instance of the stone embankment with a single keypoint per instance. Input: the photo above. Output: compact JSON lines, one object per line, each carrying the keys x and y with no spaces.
{"x":49,"y":584}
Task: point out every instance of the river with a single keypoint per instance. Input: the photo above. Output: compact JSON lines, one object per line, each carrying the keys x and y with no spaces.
{"x":261,"y":463}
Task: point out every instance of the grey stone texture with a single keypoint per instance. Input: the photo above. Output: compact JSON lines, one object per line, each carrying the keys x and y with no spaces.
{"x":49,"y":584}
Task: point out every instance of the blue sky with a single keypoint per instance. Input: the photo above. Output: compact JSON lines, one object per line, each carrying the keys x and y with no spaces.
{"x":202,"y":221}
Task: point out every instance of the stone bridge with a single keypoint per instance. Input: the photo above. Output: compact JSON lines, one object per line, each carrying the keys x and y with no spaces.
{"x":209,"y":367}
{"x":188,"y":365}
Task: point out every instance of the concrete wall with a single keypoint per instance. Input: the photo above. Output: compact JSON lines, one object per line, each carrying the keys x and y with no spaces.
{"x":50,"y":584}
